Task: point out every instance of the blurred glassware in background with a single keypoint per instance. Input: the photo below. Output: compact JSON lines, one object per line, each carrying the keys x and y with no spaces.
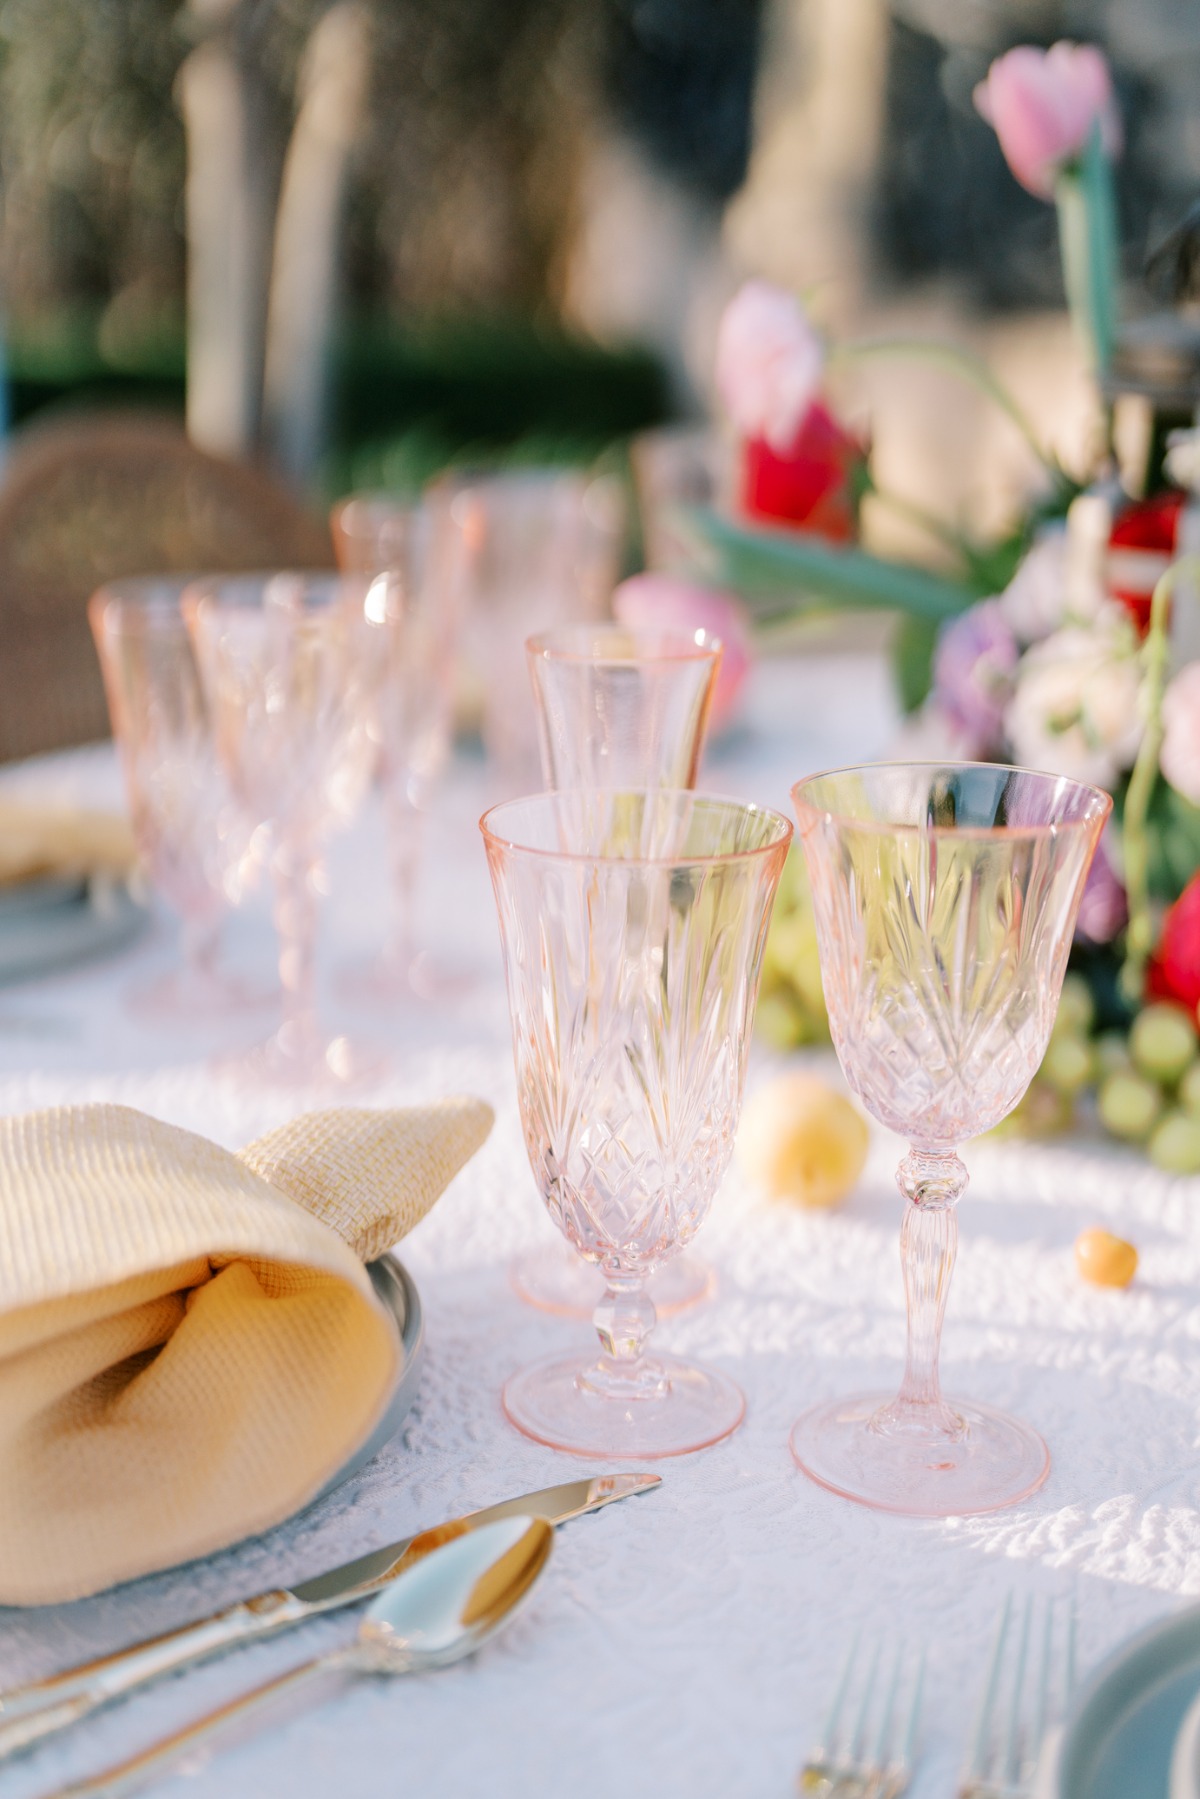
{"x":625,"y":709}
{"x":291,"y":665}
{"x":193,"y":839}
{"x":529,"y":548}
{"x":674,"y":468}
{"x":615,"y":706}
{"x":402,"y":547}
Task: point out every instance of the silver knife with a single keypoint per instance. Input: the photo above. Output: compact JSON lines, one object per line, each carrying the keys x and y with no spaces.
{"x":30,"y":1713}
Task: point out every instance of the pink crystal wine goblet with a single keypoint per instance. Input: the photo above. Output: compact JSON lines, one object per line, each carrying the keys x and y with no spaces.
{"x":402,"y":546}
{"x":945,"y":898}
{"x":628,"y":709}
{"x":290,"y":664}
{"x":632,"y":927}
{"x":193,"y":839}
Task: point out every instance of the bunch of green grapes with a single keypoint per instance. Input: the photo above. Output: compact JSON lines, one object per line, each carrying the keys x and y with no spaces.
{"x":1147,"y":1083}
{"x":791,"y":1006}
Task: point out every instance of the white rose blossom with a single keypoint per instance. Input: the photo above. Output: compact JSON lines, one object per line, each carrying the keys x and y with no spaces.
{"x":1076,"y":709}
{"x":1179,"y":757}
{"x":1035,"y":601}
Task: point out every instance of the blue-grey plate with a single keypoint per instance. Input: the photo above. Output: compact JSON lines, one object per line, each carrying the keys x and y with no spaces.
{"x":65,"y":928}
{"x":1120,"y":1732}
{"x":395,"y":1286}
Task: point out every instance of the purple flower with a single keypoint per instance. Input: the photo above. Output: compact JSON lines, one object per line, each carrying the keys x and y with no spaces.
{"x":973,"y":669}
{"x":1103,"y":910}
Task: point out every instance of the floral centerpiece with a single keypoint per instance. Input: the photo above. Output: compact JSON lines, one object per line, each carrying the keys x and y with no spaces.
{"x":1071,"y":645}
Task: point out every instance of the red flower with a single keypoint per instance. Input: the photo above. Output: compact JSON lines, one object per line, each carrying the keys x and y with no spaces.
{"x":1175,"y":971}
{"x":1141,"y":547}
{"x":815,"y":483}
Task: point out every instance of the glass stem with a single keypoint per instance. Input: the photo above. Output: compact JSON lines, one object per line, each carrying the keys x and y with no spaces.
{"x":199,"y":937}
{"x":404,"y":834}
{"x":296,"y":878}
{"x":624,"y":1319}
{"x":932,"y":1183}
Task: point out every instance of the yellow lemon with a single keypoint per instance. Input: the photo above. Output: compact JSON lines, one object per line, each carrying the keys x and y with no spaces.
{"x":1105,"y":1260}
{"x":802,"y":1140}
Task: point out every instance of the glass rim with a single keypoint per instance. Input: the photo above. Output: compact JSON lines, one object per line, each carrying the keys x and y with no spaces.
{"x":675,"y":645}
{"x":243,"y":590}
{"x":146,"y":602}
{"x":373,"y":504}
{"x":879,"y":826}
{"x":779,"y":840}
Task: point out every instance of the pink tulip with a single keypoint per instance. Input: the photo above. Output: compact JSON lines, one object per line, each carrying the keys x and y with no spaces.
{"x":769,"y":363}
{"x":661,"y":602}
{"x":1043,"y":104}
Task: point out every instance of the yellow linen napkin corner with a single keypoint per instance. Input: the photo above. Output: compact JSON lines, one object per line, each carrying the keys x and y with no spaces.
{"x":190,"y":1345}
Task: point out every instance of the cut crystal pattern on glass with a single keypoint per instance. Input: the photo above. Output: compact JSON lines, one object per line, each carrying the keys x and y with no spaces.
{"x":945,"y":899}
{"x":617,"y":708}
{"x":633,"y":926}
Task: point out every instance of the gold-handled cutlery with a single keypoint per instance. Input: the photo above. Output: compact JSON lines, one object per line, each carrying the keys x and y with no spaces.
{"x":30,"y":1713}
{"x":443,"y":1607}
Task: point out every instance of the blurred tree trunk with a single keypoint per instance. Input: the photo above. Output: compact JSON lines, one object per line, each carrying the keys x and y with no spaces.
{"x":232,"y":179}
{"x":304,"y":272}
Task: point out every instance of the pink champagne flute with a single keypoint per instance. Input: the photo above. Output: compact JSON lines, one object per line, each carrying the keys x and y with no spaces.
{"x":617,"y":707}
{"x":945,"y":899}
{"x":632,"y":927}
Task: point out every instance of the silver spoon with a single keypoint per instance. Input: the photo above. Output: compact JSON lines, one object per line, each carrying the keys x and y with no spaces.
{"x":443,"y":1607}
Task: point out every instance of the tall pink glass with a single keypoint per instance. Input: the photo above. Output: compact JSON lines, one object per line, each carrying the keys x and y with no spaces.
{"x":632,"y":926}
{"x":617,"y":708}
{"x":401,"y":545}
{"x":529,"y":548}
{"x":192,"y":836}
{"x":945,"y":899}
{"x":290,"y":665}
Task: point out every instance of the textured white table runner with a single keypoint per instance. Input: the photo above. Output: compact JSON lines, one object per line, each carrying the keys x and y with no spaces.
{"x":684,"y":1642}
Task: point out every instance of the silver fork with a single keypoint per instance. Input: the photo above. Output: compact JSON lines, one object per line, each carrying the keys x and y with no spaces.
{"x":1029,"y":1681}
{"x":866,"y":1746}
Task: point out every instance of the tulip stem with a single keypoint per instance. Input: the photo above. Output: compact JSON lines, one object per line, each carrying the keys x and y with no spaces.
{"x":1139,"y":935}
{"x":927,"y":521}
{"x":959,"y":361}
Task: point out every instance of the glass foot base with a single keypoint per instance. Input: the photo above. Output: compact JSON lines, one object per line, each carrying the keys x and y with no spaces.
{"x":555,"y":1280}
{"x":997,"y":1462}
{"x":386,"y":982}
{"x":335,"y":1066}
{"x":694,"y":1407}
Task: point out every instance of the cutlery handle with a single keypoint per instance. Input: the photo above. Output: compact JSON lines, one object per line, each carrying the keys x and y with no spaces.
{"x":29,"y":1714}
{"x":128,"y":1776}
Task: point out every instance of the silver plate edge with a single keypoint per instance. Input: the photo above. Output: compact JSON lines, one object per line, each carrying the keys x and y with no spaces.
{"x":395,"y":1286}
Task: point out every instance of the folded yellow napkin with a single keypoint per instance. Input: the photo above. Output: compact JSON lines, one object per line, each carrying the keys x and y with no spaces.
{"x":55,"y":840}
{"x":190,"y":1346}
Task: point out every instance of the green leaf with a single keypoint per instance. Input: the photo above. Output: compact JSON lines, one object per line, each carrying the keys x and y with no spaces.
{"x":787,"y":572}
{"x":912,"y":660}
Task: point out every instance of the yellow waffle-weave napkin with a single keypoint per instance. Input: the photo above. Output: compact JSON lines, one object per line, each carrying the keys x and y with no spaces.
{"x":190,"y":1346}
{"x":37,"y":840}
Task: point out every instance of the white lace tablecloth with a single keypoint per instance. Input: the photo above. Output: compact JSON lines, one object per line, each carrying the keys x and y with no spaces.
{"x":684,"y":1642}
